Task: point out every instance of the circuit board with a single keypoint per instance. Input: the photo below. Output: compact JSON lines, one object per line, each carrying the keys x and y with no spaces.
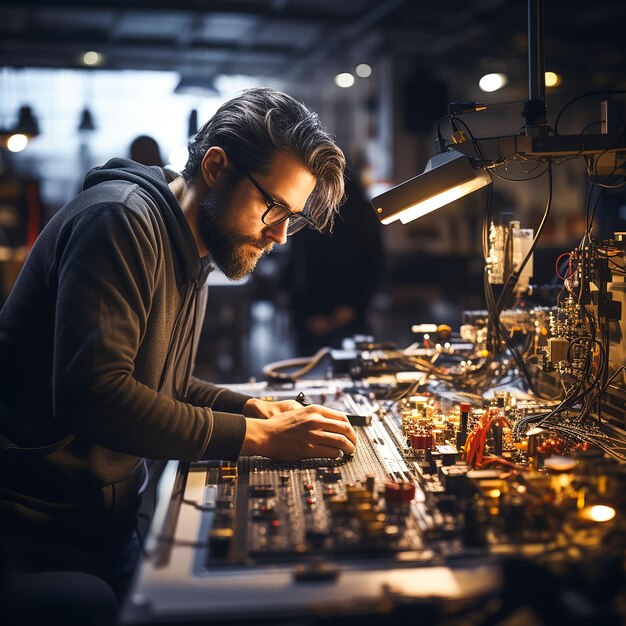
{"x":433,"y":483}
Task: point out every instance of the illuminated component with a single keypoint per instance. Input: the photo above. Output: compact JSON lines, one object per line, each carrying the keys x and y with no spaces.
{"x":598,"y":513}
{"x":493,"y":82}
{"x":561,"y":463}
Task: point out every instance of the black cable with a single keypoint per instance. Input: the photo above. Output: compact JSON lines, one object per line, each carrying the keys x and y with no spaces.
{"x":585,"y":95}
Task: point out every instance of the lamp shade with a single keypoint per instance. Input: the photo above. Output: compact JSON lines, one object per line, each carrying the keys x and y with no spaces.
{"x":446,"y":178}
{"x":27,"y":123}
{"x":86,"y":122}
{"x":196,"y":86}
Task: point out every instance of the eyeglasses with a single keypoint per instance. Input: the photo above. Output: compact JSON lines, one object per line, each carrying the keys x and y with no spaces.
{"x":277,"y":213}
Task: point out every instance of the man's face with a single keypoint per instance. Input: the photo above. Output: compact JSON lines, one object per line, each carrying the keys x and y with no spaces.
{"x":229,"y":218}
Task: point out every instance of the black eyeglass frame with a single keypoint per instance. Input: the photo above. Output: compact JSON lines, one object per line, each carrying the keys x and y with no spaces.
{"x":297,"y":220}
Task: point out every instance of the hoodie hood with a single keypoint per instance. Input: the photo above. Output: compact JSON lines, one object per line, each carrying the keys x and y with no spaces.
{"x":153,"y":180}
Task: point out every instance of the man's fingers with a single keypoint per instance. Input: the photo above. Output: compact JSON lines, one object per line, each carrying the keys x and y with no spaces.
{"x":322,"y":452}
{"x":335,"y":440}
{"x":327,"y":412}
{"x":335,"y":426}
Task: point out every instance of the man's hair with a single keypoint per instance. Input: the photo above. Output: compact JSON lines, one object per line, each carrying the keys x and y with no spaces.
{"x":261,"y":123}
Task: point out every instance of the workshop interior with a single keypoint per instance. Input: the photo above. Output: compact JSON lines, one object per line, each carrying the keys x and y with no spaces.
{"x":482,"y":358}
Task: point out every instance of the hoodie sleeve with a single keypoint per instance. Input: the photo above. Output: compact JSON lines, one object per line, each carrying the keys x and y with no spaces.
{"x":202,"y":393}
{"x":107,"y":262}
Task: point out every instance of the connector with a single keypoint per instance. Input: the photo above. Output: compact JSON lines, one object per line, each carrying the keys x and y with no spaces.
{"x":460,"y":108}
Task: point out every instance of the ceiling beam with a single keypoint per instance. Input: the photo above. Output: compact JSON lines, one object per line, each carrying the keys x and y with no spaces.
{"x":260,"y":8}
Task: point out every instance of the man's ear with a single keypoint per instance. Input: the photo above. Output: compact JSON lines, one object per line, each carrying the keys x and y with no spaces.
{"x":214,"y":163}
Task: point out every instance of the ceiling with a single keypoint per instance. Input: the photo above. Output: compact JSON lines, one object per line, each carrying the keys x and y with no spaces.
{"x":299,"y":39}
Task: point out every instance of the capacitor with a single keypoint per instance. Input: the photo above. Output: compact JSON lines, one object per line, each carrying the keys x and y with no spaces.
{"x":398,"y":494}
{"x":421,"y":440}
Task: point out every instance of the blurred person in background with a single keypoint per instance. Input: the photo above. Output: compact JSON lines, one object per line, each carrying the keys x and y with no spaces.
{"x":145,"y":149}
{"x":99,"y":335}
{"x":331,"y":280}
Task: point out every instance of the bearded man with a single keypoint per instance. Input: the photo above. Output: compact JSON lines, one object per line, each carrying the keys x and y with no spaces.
{"x":99,"y":335}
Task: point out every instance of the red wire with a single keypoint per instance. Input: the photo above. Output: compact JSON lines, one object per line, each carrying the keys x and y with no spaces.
{"x":557,"y":265}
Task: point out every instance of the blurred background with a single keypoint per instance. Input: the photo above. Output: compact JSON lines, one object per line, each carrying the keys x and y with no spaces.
{"x":80,"y":81}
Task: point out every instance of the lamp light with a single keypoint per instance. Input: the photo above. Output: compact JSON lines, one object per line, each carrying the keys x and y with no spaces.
{"x":446,"y":178}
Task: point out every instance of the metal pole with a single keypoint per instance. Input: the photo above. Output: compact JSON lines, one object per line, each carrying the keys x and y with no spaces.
{"x":535,"y":112}
{"x":536,"y":51}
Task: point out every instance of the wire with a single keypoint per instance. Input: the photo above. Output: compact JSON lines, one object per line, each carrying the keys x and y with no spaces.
{"x":271,"y":370}
{"x":585,"y":95}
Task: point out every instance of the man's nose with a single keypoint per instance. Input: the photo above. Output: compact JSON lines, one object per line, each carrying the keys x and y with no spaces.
{"x":278,"y":232}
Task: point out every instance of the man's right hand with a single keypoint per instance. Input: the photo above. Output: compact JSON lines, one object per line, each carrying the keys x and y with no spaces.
{"x":304,"y":433}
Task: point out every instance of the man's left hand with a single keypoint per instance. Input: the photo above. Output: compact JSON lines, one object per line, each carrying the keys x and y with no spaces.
{"x":255,"y":407}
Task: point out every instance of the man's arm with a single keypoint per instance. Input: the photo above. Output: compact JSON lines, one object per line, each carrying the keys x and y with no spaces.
{"x":106,"y":268}
{"x":203,"y":393}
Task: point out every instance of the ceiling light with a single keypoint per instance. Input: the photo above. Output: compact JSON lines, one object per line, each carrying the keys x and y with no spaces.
{"x":344,"y":80}
{"x":92,"y":58}
{"x":363,"y":70}
{"x":553,"y":79}
{"x":446,"y":178}
{"x":17,"y":142}
{"x":493,"y":82}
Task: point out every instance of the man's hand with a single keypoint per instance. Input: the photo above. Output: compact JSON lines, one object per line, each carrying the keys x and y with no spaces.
{"x":303,"y":433}
{"x":255,"y":407}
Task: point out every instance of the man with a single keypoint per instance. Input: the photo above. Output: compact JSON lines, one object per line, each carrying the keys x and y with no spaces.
{"x":98,"y":337}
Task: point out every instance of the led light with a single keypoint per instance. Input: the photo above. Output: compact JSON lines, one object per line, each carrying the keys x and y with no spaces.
{"x":598,"y":513}
{"x":92,"y":58}
{"x":493,"y":82}
{"x":17,"y":142}
{"x":344,"y":80}
{"x":363,"y":70}
{"x":553,"y":79}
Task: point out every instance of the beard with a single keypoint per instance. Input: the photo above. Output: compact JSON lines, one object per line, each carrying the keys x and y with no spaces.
{"x":229,"y":250}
